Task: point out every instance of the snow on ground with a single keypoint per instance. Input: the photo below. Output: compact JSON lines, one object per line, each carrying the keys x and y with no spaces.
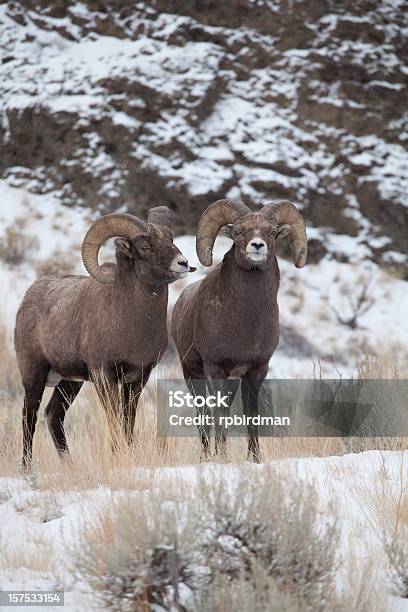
{"x":341,"y":484}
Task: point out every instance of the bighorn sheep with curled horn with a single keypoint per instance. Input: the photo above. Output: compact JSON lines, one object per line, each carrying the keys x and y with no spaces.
{"x":227,"y":325}
{"x":73,"y":328}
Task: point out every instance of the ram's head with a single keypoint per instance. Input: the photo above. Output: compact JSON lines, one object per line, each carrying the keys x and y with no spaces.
{"x":254,"y":233}
{"x":143,"y":249}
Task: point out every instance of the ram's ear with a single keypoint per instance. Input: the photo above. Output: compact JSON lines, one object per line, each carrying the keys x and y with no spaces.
{"x":227,"y":231}
{"x":283,"y":231}
{"x":123,"y":248}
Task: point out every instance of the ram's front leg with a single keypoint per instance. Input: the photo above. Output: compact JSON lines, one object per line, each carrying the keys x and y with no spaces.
{"x":251,"y":384}
{"x":224,"y":390}
{"x":131,"y":395}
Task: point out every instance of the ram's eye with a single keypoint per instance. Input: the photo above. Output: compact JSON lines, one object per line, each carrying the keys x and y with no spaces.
{"x":144,"y":248}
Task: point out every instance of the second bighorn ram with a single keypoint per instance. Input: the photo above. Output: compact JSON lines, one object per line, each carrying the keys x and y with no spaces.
{"x":73,"y":328}
{"x":227,"y":325}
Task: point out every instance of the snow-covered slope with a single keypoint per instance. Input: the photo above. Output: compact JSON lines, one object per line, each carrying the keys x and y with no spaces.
{"x":312,"y":301}
{"x":107,"y":106}
{"x":180,"y":103}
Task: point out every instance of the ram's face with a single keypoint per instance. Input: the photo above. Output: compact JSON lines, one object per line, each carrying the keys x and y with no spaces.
{"x":156,"y":260}
{"x":254,"y":238}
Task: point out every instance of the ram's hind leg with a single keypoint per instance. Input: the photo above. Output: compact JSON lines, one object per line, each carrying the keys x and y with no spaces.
{"x":63,"y":396}
{"x":34,"y":385}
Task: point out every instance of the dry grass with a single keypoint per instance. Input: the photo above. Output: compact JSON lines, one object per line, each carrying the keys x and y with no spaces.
{"x":388,"y":507}
{"x":41,"y":506}
{"x":33,"y":552}
{"x":60,"y":262}
{"x":10,"y":387}
{"x":390,"y":365}
{"x":16,"y":245}
{"x":94,"y":463}
{"x":137,"y":470}
{"x":89,"y":435}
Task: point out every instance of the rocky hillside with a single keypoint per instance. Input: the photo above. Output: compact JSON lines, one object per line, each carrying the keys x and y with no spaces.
{"x":108,"y":104}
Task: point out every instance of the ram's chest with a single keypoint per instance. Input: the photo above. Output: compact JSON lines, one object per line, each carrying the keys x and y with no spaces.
{"x":128,"y":334}
{"x":245,"y":334}
{"x":142,"y":333}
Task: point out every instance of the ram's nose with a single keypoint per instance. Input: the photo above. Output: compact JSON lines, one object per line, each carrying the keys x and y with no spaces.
{"x":257,"y":249}
{"x":258,"y":245}
{"x":180,"y":265}
{"x":183,"y":262}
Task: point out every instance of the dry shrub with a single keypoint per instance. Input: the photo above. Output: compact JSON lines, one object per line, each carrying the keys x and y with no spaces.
{"x":16,"y":245}
{"x":396,"y":549}
{"x":392,"y":516}
{"x":251,"y":532}
{"x":129,"y":555}
{"x":387,"y":366}
{"x":42,"y":507}
{"x":10,"y":385}
{"x":262,"y":523}
{"x":59,"y":262}
{"x":261,"y":595}
{"x":385,"y":506}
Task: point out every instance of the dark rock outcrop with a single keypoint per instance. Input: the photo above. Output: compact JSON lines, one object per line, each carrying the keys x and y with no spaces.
{"x":171,"y":102}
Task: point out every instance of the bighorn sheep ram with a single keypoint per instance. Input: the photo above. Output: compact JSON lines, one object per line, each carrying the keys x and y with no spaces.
{"x":227,"y":325}
{"x":73,"y":328}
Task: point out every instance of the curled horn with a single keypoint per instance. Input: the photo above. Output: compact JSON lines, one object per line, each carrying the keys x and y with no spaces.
{"x":284,"y":212}
{"x":161,"y":215}
{"x":213,"y":218}
{"x":124,"y":225}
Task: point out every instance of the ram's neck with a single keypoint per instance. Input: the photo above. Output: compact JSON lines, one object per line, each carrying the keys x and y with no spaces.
{"x":131,"y":291}
{"x":258,"y":285}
